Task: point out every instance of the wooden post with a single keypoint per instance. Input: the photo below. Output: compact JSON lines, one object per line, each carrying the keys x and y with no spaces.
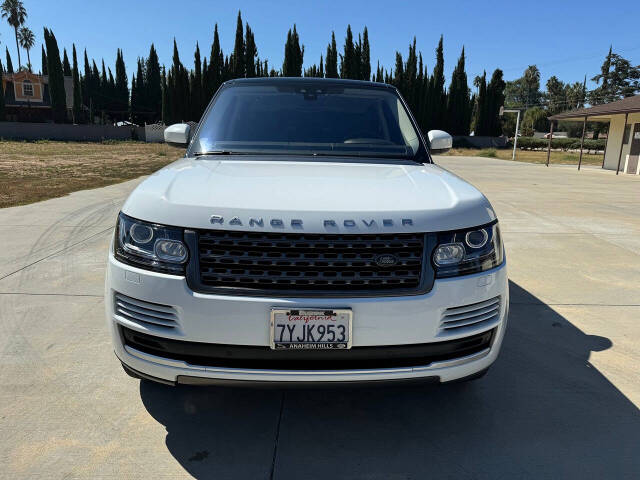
{"x":626,"y":116}
{"x":584,"y":127}
{"x":549,"y":146}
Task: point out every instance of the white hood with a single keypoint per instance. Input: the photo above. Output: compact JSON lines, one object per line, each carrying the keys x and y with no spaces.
{"x":319,"y":197}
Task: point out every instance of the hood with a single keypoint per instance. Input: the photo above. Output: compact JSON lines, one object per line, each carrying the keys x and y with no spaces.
{"x":249,"y":193}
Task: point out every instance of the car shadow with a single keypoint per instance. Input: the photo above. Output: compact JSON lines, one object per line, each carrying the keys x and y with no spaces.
{"x":542,"y":411}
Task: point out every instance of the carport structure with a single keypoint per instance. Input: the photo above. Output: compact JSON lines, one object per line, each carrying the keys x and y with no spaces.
{"x":623,"y":142}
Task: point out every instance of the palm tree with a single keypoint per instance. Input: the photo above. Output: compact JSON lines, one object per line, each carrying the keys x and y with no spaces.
{"x":27,"y":41}
{"x":16,"y":14}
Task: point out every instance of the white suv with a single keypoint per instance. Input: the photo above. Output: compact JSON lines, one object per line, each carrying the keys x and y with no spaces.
{"x":306,"y":236}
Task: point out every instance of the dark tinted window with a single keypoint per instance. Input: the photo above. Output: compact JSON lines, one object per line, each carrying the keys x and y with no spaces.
{"x":307,"y":119}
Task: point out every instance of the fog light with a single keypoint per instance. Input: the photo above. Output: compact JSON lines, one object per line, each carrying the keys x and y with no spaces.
{"x":171,"y":251}
{"x":449,"y":254}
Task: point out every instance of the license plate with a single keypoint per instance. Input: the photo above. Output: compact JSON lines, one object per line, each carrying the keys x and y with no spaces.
{"x":319,"y":329}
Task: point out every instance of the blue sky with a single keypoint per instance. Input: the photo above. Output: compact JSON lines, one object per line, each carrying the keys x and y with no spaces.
{"x":564,"y":38}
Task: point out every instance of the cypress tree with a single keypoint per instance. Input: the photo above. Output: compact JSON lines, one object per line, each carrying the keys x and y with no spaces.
{"x":77,"y":89}
{"x":2,"y":113}
{"x":365,"y":57}
{"x":331,"y":59}
{"x":66,"y":68}
{"x":458,"y":106}
{"x":44,"y":62}
{"x":437,"y":103}
{"x":216,"y":63}
{"x":153,"y":85}
{"x":251,"y":52}
{"x":196,"y":87}
{"x":95,"y":91}
{"x":165,"y":99}
{"x":321,"y":68}
{"x":293,"y":55}
{"x":348,"y":68}
{"x":9,"y":64}
{"x":104,"y":95}
{"x":139,"y":107}
{"x":239,"y":51}
{"x":495,"y":99}
{"x":481,"y":123}
{"x":86,"y":80}
{"x":56,"y":78}
{"x":121,"y":87}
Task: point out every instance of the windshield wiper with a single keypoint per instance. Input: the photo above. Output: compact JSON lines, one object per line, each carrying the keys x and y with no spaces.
{"x":219,"y":152}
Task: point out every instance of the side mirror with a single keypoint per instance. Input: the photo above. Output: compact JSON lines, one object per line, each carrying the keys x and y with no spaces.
{"x":441,"y":142}
{"x":177,"y":134}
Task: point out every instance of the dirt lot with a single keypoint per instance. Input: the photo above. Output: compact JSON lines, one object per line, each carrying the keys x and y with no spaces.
{"x":558,"y":158}
{"x":34,"y":171}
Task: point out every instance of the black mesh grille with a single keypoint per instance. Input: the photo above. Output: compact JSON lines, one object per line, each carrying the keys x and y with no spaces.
{"x":310,"y":262}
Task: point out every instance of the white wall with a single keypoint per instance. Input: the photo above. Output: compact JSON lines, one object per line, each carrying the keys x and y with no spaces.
{"x":616,"y":131}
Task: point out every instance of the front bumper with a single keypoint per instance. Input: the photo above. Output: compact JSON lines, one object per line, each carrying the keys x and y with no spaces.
{"x":244,"y":321}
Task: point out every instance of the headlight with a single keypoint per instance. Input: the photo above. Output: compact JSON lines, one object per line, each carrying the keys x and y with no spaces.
{"x":150,"y":246}
{"x":468,"y":251}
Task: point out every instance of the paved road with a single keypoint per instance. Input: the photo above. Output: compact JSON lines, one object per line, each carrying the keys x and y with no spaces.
{"x":561,"y":401}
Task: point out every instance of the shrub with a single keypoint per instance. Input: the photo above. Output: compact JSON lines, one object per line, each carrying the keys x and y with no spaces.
{"x":487,"y":152}
{"x":529,"y":143}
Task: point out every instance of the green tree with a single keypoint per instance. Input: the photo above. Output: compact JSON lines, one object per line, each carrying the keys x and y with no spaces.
{"x":525,"y":91}
{"x":481,"y":124}
{"x":556,"y":95}
{"x":576,"y":94}
{"x":165,"y":97}
{"x":534,"y":120}
{"x":250,"y":53}
{"x":43,"y":65}
{"x":197,"y":106}
{"x":16,"y":14}
{"x":293,"y":55}
{"x":216,"y":63}
{"x":331,"y":59}
{"x":438,"y":97}
{"x":27,"y":41}
{"x":495,"y":100}
{"x":153,"y":85}
{"x":66,"y":66}
{"x":56,"y":78}
{"x":77,"y":89}
{"x":349,"y":61}
{"x":617,"y":79}
{"x":121,"y":87}
{"x":458,"y":106}
{"x":9,"y":63}
{"x":365,"y":59}
{"x":239,"y":51}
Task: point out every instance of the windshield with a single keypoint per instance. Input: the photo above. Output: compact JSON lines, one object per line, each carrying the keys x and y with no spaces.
{"x":307,"y":119}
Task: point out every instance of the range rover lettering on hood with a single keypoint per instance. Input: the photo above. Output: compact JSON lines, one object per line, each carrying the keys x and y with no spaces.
{"x":297,"y":223}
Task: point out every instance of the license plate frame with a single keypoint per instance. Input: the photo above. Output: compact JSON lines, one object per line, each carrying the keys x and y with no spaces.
{"x":344,"y":316}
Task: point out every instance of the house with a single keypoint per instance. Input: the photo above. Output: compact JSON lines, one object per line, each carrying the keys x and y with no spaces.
{"x":622,"y":152}
{"x":26,"y":96}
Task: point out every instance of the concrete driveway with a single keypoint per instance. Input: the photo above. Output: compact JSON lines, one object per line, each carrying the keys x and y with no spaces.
{"x":561,"y":401}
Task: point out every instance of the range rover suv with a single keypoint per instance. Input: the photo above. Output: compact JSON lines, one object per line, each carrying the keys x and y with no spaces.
{"x":306,"y":236}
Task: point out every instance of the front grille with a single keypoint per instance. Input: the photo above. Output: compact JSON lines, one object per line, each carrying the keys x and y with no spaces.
{"x":312,"y":263}
{"x":261,"y":358}
{"x":145,"y":314}
{"x":482,"y":314}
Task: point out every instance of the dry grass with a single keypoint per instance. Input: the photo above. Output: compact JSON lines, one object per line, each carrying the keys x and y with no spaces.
{"x":34,"y":171}
{"x":532,"y":156}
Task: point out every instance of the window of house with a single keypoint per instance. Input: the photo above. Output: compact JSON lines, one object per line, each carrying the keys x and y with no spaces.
{"x":27,"y":89}
{"x":626,"y":134}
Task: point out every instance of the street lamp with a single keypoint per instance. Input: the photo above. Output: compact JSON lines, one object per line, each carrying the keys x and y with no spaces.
{"x":515,"y":138}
